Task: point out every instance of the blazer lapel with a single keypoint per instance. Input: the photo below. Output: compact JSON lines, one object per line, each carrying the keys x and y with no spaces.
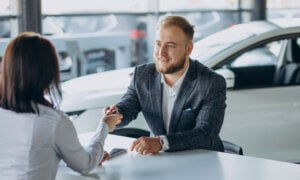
{"x":186,"y":88}
{"x":156,"y":101}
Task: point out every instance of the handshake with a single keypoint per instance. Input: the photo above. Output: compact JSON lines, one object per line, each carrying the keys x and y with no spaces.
{"x":111,"y":117}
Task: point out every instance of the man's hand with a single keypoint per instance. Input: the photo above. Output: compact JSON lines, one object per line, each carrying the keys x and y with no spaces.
{"x":113,"y":110}
{"x":111,"y":117}
{"x":146,"y":145}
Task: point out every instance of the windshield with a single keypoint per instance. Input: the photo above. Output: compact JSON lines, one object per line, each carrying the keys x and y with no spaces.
{"x":78,"y":24}
{"x":214,"y":44}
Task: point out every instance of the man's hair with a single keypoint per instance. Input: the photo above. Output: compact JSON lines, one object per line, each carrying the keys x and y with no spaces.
{"x":180,"y":22}
{"x":29,"y":70}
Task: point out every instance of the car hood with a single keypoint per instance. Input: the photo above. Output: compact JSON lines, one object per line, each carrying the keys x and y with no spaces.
{"x":95,"y":90}
{"x":100,"y":89}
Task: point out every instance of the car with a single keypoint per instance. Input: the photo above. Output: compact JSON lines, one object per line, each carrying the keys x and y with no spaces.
{"x":209,"y":22}
{"x":100,"y":59}
{"x":90,"y":25}
{"x":283,"y":13}
{"x":260,"y":63}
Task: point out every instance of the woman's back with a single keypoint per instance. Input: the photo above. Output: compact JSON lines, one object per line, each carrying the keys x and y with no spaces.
{"x":34,"y":136}
{"x":29,"y":139}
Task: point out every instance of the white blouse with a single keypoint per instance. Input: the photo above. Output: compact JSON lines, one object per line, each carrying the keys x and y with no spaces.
{"x":32,"y":145}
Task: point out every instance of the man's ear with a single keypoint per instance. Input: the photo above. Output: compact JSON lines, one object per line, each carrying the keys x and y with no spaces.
{"x":190,"y":48}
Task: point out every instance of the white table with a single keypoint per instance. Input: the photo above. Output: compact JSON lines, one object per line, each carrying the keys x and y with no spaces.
{"x":185,"y":165}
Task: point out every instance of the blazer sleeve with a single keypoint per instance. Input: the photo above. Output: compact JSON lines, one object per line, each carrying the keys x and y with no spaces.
{"x":129,"y":106}
{"x":209,"y":120}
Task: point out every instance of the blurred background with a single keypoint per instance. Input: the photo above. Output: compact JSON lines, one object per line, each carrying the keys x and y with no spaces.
{"x":99,"y":42}
{"x":76,"y":25}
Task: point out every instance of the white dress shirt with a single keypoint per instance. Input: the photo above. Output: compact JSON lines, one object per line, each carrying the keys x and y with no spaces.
{"x":32,"y":145}
{"x":169,"y":98}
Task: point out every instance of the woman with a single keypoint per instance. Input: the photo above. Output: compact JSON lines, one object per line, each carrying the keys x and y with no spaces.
{"x":34,"y":136}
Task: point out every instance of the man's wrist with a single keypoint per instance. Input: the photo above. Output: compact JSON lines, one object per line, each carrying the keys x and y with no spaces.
{"x":164,"y":143}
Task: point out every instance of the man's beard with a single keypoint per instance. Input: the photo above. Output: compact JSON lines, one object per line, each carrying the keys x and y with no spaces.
{"x":173,"y":68}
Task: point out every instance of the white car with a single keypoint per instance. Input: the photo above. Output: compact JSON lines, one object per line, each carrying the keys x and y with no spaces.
{"x":260,"y":62}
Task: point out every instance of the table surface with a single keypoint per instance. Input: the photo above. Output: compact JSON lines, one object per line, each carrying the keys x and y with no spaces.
{"x":192,"y":164}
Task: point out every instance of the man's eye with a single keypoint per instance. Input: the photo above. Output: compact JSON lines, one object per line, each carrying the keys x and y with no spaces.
{"x":171,"y":46}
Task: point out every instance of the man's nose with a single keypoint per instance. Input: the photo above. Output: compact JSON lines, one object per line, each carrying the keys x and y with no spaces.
{"x":163,"y":50}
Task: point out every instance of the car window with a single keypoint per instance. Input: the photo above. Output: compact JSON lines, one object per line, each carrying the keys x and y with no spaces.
{"x":4,"y":28}
{"x":276,"y":63}
{"x":78,"y":24}
{"x":264,"y":55}
{"x":88,"y":24}
{"x":209,"y":22}
{"x":207,"y":48}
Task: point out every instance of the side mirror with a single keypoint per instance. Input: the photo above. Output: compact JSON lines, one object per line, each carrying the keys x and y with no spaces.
{"x":228,"y":75}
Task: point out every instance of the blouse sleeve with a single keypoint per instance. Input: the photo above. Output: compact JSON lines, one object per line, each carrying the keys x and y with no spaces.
{"x":79,"y":158}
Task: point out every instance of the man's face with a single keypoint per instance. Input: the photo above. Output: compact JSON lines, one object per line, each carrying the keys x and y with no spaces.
{"x":172,"y":50}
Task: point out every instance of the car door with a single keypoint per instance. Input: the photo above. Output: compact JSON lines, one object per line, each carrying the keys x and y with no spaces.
{"x":261,"y":116}
{"x":254,"y":68}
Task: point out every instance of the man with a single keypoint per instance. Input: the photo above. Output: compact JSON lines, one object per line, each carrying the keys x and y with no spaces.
{"x":182,"y":101}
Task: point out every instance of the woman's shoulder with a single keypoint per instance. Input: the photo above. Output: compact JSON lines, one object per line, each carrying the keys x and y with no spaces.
{"x":52,"y":114}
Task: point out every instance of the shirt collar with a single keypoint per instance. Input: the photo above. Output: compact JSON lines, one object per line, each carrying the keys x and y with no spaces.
{"x":178,"y":83}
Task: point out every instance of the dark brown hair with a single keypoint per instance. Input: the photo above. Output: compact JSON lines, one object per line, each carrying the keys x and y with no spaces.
{"x":180,"y":22}
{"x":29,"y":72}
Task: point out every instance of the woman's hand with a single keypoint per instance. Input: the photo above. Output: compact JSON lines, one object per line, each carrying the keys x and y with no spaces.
{"x":111,"y":121}
{"x":112,"y":117}
{"x":104,"y":158}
